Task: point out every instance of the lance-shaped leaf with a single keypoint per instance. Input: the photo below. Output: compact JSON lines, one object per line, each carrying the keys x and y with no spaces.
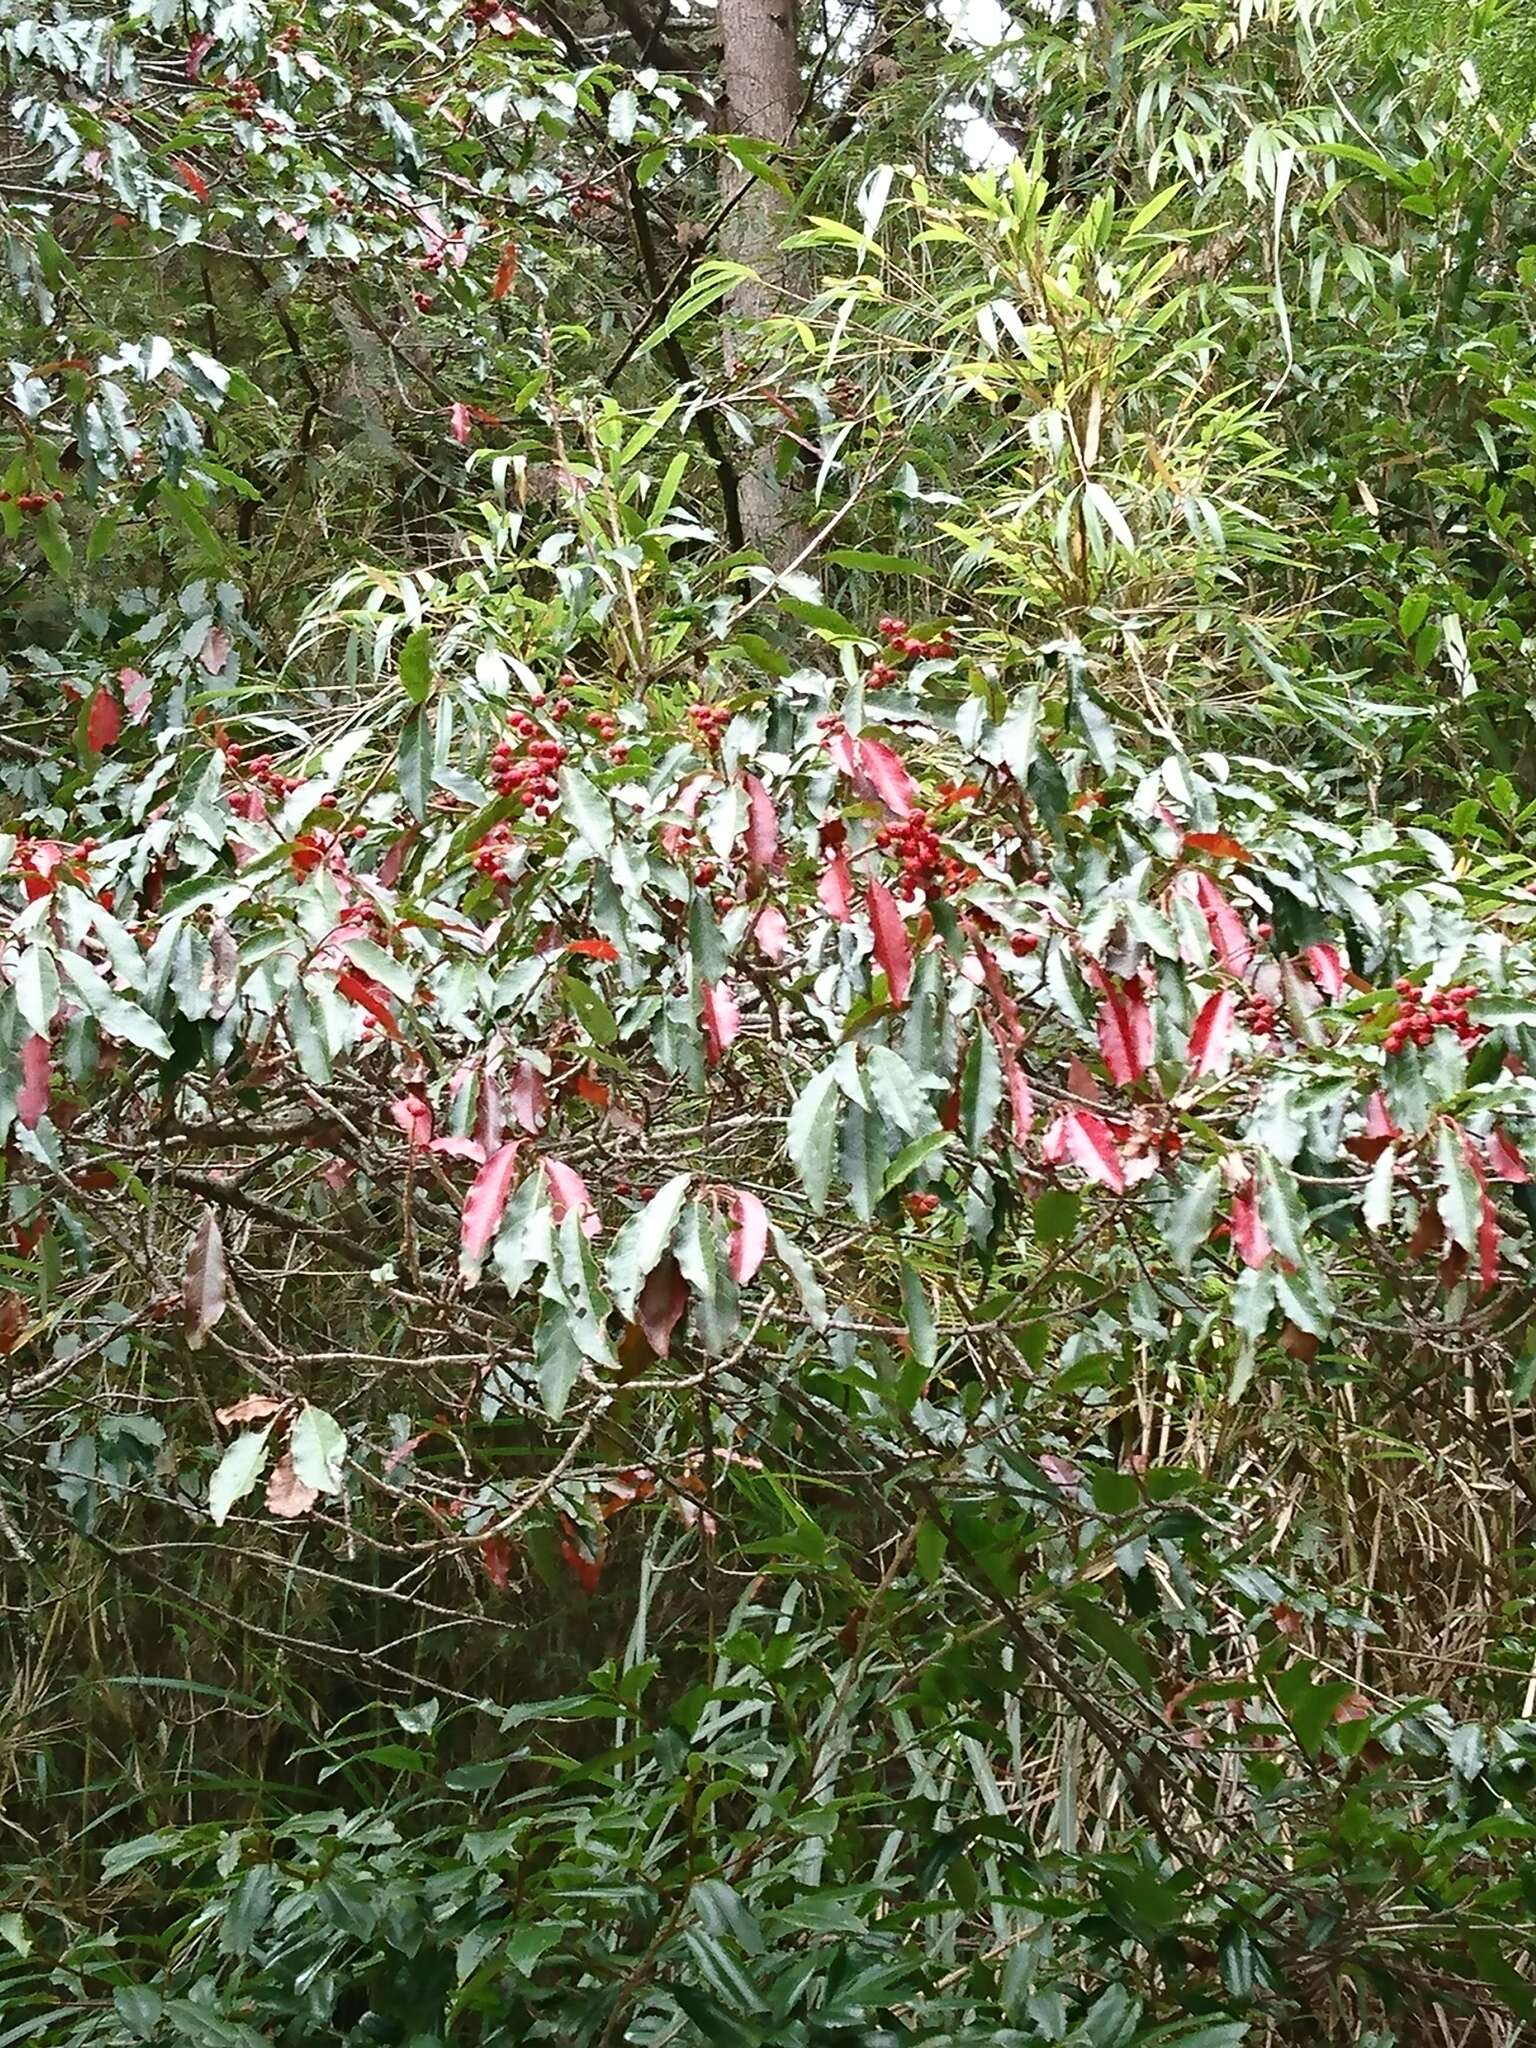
{"x":720,"y":1015}
{"x":749,"y":1240}
{"x":1250,"y":1240}
{"x":1504,"y":1160}
{"x":812,"y":1135}
{"x":568,"y":1194}
{"x":1124,"y":1030}
{"x":204,"y":1280}
{"x":236,"y":1473}
{"x":834,"y":889}
{"x":1210,"y":1041}
{"x":483,"y":1205}
{"x":36,"y":1075}
{"x":639,"y":1245}
{"x":1085,"y":1139}
{"x":892,"y":947}
{"x":662,"y":1304}
{"x":762,"y":833}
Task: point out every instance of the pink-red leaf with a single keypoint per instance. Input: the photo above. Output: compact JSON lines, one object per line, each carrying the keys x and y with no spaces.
{"x":413,"y":1113}
{"x":892,"y":948}
{"x":835,"y":888}
{"x":567,"y":1193}
{"x":1219,"y":845}
{"x":1234,"y":948}
{"x":215,"y":650}
{"x":36,"y":1076}
{"x":1327,"y":968}
{"x":1250,"y":1240}
{"x":460,"y":423}
{"x":1085,"y":1139}
{"x":363,"y":990}
{"x":483,"y":1205}
{"x":881,"y":767}
{"x":1487,"y":1218}
{"x":749,"y":1240}
{"x":197,"y":50}
{"x":1504,"y":1161}
{"x":721,"y":1016}
{"x":1125,"y":1031}
{"x":137,"y":690}
{"x":771,"y":933}
{"x":762,"y":823}
{"x":1210,"y":1042}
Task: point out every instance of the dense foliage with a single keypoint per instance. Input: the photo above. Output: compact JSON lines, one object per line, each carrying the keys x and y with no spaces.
{"x":767,"y":1284}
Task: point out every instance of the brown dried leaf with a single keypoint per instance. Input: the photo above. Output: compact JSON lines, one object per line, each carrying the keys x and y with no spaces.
{"x":205,"y":1283}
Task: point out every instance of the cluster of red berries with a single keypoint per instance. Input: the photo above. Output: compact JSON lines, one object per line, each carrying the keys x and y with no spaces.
{"x":925,"y":866}
{"x":1259,"y":1016}
{"x":33,"y":501}
{"x":490,"y":855}
{"x":482,"y":11}
{"x":423,"y":301}
{"x":920,"y":1205}
{"x":899,"y":644}
{"x":709,"y":722}
{"x":288,"y":38}
{"x":1417,"y":1022}
{"x":583,"y":194}
{"x":264,"y":781}
{"x":528,"y":774}
{"x":1024,"y":943}
{"x":242,"y":96}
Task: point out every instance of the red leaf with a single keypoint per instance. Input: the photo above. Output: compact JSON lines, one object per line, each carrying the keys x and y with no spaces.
{"x":506,"y":272}
{"x":459,"y":424}
{"x":1327,"y":968}
{"x":104,"y":720}
{"x":1234,"y":949}
{"x":459,"y":1148}
{"x":526,"y":1098}
{"x":1220,"y":845}
{"x":1487,"y":1218}
{"x":287,"y":1494}
{"x":483,"y":1205}
{"x":721,"y":1017}
{"x":882,"y":769}
{"x":749,"y":1241}
{"x":1250,"y":1239}
{"x":194,"y":181}
{"x":762,"y":823}
{"x":1062,"y":1472}
{"x":1081,"y":1083}
{"x":1504,"y":1160}
{"x":413,"y":1113}
{"x":835,"y":888}
{"x":583,"y":1567}
{"x":568,"y":1192}
{"x":771,"y":933}
{"x":496,"y":1556}
{"x":594,"y":949}
{"x":1210,"y":1042}
{"x":590,"y":1089}
{"x":36,"y":1071}
{"x":197,"y":50}
{"x":663,"y":1300}
{"x":1084,"y":1138}
{"x":1125,"y":1032}
{"x":1020,"y":1100}
{"x":361,"y":989}
{"x":892,"y":949}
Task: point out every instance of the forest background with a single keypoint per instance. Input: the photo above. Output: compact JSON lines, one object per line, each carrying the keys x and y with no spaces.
{"x":767,"y":1024}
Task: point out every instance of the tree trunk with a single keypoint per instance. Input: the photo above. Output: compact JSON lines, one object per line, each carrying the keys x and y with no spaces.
{"x":760,"y":66}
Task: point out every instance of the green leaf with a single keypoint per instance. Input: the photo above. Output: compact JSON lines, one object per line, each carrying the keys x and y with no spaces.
{"x":1188,"y":1218}
{"x":416,"y":665}
{"x":911,"y":1157}
{"x":918,"y":1311}
{"x":246,"y":1913}
{"x":639,"y":1245}
{"x":236,"y":1473}
{"x":557,"y":1358}
{"x":584,"y":806}
{"x":413,"y":770}
{"x":115,"y":1014}
{"x":813,"y":1131}
{"x":318,"y":1447}
{"x":592,"y":1013}
{"x":1460,"y":1204}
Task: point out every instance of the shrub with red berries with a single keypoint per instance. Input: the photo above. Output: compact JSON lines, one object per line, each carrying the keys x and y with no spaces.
{"x":1417,"y":1021}
{"x":525,"y":766}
